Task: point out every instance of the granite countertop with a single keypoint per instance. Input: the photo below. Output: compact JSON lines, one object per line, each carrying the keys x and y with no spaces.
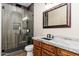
{"x":69,"y":45}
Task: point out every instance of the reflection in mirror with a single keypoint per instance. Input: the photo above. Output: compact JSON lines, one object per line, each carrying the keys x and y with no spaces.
{"x":57,"y":17}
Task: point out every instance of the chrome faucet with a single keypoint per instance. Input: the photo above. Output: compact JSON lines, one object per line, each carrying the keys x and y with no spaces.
{"x":48,"y":35}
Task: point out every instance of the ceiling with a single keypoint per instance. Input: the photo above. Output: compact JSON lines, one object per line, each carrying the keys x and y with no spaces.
{"x":25,"y":4}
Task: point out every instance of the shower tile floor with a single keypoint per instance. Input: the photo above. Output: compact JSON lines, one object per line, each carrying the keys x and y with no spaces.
{"x":17,"y":53}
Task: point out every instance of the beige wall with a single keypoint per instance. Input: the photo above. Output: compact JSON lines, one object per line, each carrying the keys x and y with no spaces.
{"x":72,"y":32}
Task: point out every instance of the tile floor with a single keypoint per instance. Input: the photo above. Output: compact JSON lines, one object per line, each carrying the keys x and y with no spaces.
{"x":16,"y":53}
{"x":21,"y":53}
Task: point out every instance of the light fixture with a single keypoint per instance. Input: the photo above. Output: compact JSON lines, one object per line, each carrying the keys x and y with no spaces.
{"x":25,"y":18}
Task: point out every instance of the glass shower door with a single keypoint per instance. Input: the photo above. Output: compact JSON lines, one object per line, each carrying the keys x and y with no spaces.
{"x":12,"y":36}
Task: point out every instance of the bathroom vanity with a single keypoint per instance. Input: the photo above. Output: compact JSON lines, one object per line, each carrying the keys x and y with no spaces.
{"x":44,"y":47}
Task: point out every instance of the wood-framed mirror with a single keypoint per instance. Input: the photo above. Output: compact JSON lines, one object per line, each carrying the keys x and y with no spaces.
{"x":58,"y":16}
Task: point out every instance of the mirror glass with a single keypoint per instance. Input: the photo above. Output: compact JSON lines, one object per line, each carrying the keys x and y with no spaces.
{"x":57,"y":17}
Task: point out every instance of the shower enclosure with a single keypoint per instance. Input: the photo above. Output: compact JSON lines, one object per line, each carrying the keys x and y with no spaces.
{"x":13,"y":34}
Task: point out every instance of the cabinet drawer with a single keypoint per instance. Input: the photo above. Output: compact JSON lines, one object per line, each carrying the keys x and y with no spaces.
{"x":49,"y":48}
{"x":36,"y":47}
{"x":47,"y":53}
{"x":37,"y":43}
{"x":63,"y":52}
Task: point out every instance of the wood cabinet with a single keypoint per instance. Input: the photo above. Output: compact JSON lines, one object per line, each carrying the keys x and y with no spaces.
{"x":47,"y":53}
{"x":62,"y":52}
{"x":36,"y":51}
{"x":43,"y":49}
{"x":36,"y":43}
{"x":49,"y":48}
{"x":37,"y":48}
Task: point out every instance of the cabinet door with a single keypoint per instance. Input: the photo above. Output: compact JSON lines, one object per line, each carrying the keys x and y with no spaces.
{"x":62,"y":52}
{"x":50,"y":48}
{"x":47,"y":53}
{"x":37,"y":48}
{"x":36,"y":52}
